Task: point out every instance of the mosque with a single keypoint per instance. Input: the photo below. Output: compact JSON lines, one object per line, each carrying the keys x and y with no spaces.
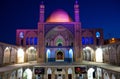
{"x":59,"y":49}
{"x":59,"y":38}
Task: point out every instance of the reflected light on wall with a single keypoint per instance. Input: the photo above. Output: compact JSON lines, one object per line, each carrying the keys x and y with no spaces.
{"x":7,"y":48}
{"x":48,"y":53}
{"x":20,"y":55}
{"x":71,"y":53}
{"x":32,"y":48}
{"x":99,"y":55}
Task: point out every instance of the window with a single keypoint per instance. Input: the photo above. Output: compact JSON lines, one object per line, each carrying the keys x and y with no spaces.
{"x":91,"y":40}
{"x":35,"y":41}
{"x":21,"y":35}
{"x":83,"y":41}
{"x":59,"y":42}
{"x":27,"y":41}
{"x":31,"y":41}
{"x":86,"y":40}
{"x":98,"y":38}
{"x":97,"y":34}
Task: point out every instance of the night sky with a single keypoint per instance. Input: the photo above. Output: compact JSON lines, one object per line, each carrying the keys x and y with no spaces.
{"x":24,"y":14}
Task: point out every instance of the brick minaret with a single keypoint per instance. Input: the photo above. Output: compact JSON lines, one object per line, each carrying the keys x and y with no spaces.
{"x":41,"y":48}
{"x":77,"y":40}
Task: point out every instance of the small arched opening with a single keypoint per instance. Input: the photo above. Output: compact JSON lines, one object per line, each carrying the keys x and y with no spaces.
{"x":59,"y":56}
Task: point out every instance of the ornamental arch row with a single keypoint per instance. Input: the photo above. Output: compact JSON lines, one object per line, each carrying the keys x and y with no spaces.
{"x":110,"y":53}
{"x":13,"y":54}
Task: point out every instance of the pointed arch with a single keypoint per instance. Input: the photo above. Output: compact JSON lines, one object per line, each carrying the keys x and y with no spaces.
{"x":70,"y":71}
{"x":20,"y":55}
{"x":90,"y":73}
{"x":106,"y":76}
{"x":58,"y":34}
{"x":6,"y":55}
{"x":59,"y":40}
{"x":59,"y":55}
{"x":71,"y":55}
{"x":88,"y":53}
{"x":48,"y":53}
{"x":19,"y":73}
{"x":27,"y":74}
{"x":99,"y":55}
{"x":49,"y":71}
{"x":113,"y":76}
{"x":13,"y":55}
{"x":31,"y":54}
{"x":13,"y":75}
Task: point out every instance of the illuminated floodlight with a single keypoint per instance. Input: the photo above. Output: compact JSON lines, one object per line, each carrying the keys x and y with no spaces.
{"x":70,"y":53}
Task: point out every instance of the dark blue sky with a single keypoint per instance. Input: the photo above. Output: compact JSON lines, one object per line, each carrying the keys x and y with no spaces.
{"x":19,"y":14}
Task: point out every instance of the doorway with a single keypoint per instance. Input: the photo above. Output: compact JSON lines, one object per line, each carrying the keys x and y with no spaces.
{"x":49,"y":76}
{"x":70,"y":73}
{"x":49,"y":72}
{"x":59,"y":56}
{"x":69,"y":76}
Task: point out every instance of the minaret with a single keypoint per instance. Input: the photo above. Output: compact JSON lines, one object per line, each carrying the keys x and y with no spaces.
{"x":76,"y":11}
{"x":77,"y":39}
{"x":42,"y":11}
{"x":41,"y":46}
